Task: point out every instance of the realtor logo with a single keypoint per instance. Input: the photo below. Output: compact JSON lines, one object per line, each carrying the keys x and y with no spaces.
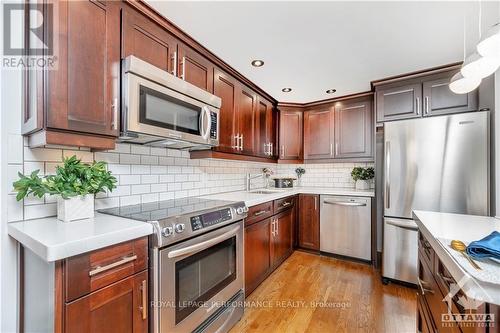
{"x":39,"y":18}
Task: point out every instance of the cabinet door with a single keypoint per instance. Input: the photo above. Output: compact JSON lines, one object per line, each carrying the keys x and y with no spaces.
{"x":226,"y":87}
{"x":439,"y":99}
{"x":264,"y":128}
{"x":247,"y":104}
{"x":318,"y":134}
{"x":195,"y":69}
{"x":257,"y":254}
{"x":402,"y":102}
{"x":282,"y":237}
{"x":83,"y":92}
{"x":120,"y":307}
{"x":354,"y":130}
{"x":309,"y":221}
{"x":147,"y":40}
{"x":290,"y":135}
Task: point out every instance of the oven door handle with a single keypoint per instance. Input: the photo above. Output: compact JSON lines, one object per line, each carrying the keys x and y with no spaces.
{"x":203,"y":245}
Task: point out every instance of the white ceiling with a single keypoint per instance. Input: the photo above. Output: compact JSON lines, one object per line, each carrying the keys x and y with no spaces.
{"x":314,"y":46}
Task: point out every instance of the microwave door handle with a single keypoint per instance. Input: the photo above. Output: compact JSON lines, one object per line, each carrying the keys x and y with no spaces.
{"x":203,"y":245}
{"x":205,"y":114}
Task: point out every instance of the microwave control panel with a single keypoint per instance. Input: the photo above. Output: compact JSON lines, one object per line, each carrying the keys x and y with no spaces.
{"x":210,"y":219}
{"x":213,"y":127}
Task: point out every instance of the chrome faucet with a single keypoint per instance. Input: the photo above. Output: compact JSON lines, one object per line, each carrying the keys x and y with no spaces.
{"x":249,"y":178}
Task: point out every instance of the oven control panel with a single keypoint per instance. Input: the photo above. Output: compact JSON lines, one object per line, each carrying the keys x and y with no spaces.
{"x":213,"y":127}
{"x":210,"y":219}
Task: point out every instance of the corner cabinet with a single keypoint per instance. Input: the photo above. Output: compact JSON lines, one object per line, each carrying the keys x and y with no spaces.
{"x":105,"y":290}
{"x":76,"y":103}
{"x":290,"y":134}
{"x":425,"y":96}
{"x":318,"y":133}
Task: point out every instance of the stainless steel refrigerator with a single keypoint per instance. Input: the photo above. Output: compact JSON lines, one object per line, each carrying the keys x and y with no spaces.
{"x":436,"y":164}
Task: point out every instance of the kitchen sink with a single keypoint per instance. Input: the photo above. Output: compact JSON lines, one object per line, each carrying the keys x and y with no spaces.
{"x":264,"y":191}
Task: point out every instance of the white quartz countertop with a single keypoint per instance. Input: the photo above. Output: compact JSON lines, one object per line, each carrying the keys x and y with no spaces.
{"x":252,"y":199}
{"x":467,"y":228}
{"x":52,"y":239}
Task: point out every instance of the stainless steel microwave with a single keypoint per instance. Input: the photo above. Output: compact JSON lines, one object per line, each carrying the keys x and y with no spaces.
{"x":162,"y":110}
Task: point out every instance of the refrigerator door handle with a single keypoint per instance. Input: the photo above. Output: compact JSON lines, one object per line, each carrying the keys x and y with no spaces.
{"x":402,"y":225}
{"x":387,"y":176}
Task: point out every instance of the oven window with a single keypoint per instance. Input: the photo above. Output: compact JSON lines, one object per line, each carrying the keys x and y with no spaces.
{"x":202,"y":275}
{"x":158,"y":109}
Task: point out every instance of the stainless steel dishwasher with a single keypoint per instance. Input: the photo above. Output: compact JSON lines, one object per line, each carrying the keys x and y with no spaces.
{"x":345,"y":226}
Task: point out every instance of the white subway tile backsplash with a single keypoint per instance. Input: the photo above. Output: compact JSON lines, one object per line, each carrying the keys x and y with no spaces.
{"x":149,"y":179}
{"x":158,"y":151}
{"x":121,"y":148}
{"x":15,"y":148}
{"x":140,"y":189}
{"x":42,"y":154}
{"x":162,"y":187}
{"x":119,"y":169}
{"x":85,"y":156}
{"x":14,"y":209}
{"x":107,"y":157}
{"x":39,"y":211}
{"x":140,"y":169}
{"x":150,"y":197}
{"x":130,"y":179}
{"x":145,"y":159}
{"x":141,"y":150}
{"x":130,"y":200}
{"x":130,"y":159}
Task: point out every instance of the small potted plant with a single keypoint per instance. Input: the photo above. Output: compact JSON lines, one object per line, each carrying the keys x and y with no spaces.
{"x":300,"y":172}
{"x":361,"y":176}
{"x":267,"y":173}
{"x":75,"y":183}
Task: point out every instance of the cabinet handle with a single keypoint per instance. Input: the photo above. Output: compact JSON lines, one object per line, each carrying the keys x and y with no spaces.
{"x":417,"y":102}
{"x":426,"y":101}
{"x":266,"y":152}
{"x":260,"y":212}
{"x":446,"y":279}
{"x":272,"y":226}
{"x":241,"y":142}
{"x":271,"y":149}
{"x":282,"y":151}
{"x":285,"y":204}
{"x":277,"y":226}
{"x":387,"y":175}
{"x":100,"y":269}
{"x":144,"y":307}
{"x":114,"y":108}
{"x":174,"y":63}
{"x":315,"y":203}
{"x":183,"y":66}
{"x":236,"y":138}
{"x":331,"y":148}
{"x":421,"y":284}
{"x":336,"y":149}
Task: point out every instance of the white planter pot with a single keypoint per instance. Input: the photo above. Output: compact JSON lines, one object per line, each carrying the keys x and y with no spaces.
{"x":362,"y":185}
{"x":76,"y":208}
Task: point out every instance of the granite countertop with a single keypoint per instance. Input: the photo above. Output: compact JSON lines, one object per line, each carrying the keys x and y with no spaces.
{"x":467,"y":228}
{"x":252,"y":199}
{"x":53,"y":240}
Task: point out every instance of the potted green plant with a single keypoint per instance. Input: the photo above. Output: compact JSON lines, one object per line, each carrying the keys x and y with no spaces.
{"x":361,"y":176}
{"x":75,"y":183}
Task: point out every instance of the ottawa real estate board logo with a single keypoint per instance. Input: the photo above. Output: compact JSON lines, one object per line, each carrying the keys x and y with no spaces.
{"x":28,"y":30}
{"x":471,"y":311}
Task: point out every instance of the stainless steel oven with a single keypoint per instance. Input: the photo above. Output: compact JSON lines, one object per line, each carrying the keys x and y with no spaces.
{"x":196,"y":263}
{"x":160,"y":109}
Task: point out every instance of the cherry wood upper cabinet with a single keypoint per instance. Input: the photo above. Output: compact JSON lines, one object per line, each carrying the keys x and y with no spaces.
{"x":119,"y":307}
{"x":265,"y":128}
{"x":247,"y":104}
{"x":194,"y":68}
{"x":282,"y":236}
{"x":318,"y":133}
{"x":401,"y":102}
{"x":147,"y":40}
{"x":225,"y":87}
{"x":438,"y":99}
{"x":258,"y":257}
{"x":308,"y":232}
{"x":354,"y":129}
{"x":290,"y":134}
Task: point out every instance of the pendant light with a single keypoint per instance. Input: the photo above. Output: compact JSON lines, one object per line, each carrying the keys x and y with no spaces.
{"x":489,"y":46}
{"x":460,"y":84}
{"x":476,"y":65}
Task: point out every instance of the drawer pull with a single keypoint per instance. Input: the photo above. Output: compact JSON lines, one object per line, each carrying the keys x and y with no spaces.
{"x":100,"y":269}
{"x":260,"y":212}
{"x":144,"y":307}
{"x":424,"y":290}
{"x":446,"y":279}
{"x":285,"y":204}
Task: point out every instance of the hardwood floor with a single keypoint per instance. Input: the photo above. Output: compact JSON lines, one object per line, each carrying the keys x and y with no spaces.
{"x":309,"y":293}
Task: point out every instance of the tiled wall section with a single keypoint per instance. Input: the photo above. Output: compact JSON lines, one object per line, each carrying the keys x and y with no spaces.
{"x":148,"y":174}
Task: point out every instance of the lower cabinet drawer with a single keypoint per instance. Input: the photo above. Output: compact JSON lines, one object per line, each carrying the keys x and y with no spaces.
{"x":119,"y":307}
{"x":91,"y":271}
{"x":282,"y":204}
{"x":259,"y":212}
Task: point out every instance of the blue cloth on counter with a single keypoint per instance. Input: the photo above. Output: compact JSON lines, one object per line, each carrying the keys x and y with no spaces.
{"x":488,"y":247}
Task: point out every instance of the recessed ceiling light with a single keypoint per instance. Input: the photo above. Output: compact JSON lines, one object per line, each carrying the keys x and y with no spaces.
{"x":257,"y":63}
{"x":331,"y":91}
{"x":286,"y":89}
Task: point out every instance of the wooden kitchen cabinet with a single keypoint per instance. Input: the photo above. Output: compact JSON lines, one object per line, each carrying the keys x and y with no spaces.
{"x":77,"y":102}
{"x":148,"y":41}
{"x":438,"y":99}
{"x":257,"y":253}
{"x":247,"y":104}
{"x":194,"y":68}
{"x":354,"y":131}
{"x":282,"y":237}
{"x":308,"y":226}
{"x":290,"y":134}
{"x":319,"y":133}
{"x":265,"y":128}
{"x":400,"y":102}
{"x":225,"y":87}
{"x":120,"y":307}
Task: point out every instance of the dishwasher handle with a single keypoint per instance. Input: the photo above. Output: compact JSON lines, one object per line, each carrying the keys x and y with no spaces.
{"x":344,"y":203}
{"x":402,"y":225}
